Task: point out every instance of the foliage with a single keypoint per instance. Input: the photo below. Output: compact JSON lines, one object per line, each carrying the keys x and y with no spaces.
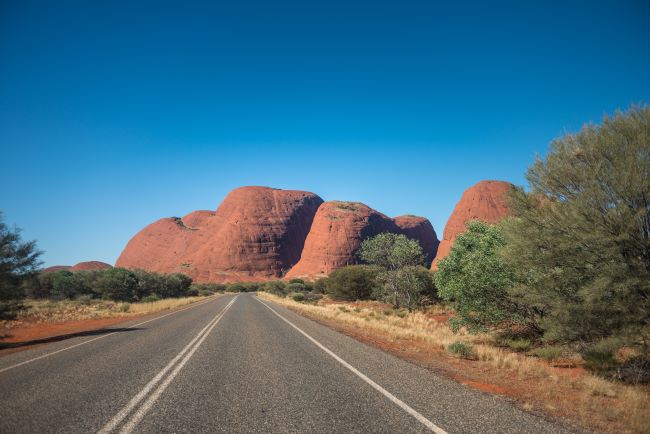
{"x":401,"y":277}
{"x":118,"y":284}
{"x":475,"y":280}
{"x":68,"y":285}
{"x":581,"y":238}
{"x":298,"y":297}
{"x":18,"y":262}
{"x":462,"y":350}
{"x":549,"y":353}
{"x":354,"y":282}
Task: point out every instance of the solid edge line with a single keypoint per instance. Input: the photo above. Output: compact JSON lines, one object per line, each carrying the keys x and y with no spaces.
{"x":420,"y":418}
{"x":124,"y":412}
{"x":146,"y":406}
{"x":43,"y":356}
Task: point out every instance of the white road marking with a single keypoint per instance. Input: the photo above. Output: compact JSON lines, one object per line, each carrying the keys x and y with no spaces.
{"x":188,"y":351}
{"x":423,"y":420}
{"x":102,"y":336}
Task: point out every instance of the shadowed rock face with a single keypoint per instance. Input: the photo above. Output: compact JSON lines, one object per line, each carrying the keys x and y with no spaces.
{"x":486,"y":201}
{"x":256,"y":233}
{"x":338,"y":230}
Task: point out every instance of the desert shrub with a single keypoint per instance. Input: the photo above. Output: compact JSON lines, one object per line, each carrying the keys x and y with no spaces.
{"x":276,"y":287}
{"x":300,"y":281}
{"x":298,"y":297}
{"x":85,"y":299}
{"x":150,"y":298}
{"x":312,"y":296}
{"x":549,"y":353}
{"x":117,"y":284}
{"x":354,"y":282}
{"x":124,"y":307}
{"x":599,"y":360}
{"x":236,"y":287}
{"x":174,"y":285}
{"x":516,"y":344}
{"x":399,"y":259}
{"x":462,"y":350}
{"x":320,"y":286}
{"x":296,"y":286}
{"x":67,"y":285}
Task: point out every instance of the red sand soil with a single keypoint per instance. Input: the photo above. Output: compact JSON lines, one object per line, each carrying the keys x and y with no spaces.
{"x":29,"y":333}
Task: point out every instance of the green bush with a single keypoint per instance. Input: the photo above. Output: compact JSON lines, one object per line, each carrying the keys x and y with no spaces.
{"x":599,"y":361}
{"x":516,"y":344}
{"x":475,"y":281}
{"x":300,"y":281}
{"x":117,"y":284}
{"x":354,"y":282}
{"x":124,"y":307}
{"x":548,"y":353}
{"x":320,"y":286}
{"x":462,"y":350}
{"x":296,"y":286}
{"x":299,"y":297}
{"x":150,"y":298}
{"x":276,"y":287}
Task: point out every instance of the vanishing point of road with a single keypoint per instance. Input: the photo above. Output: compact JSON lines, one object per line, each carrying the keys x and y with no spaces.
{"x":238,"y":364}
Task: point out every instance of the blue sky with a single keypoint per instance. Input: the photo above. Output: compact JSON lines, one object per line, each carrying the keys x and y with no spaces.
{"x":114,"y":114}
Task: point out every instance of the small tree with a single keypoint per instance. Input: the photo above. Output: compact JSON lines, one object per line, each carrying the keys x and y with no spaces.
{"x":67,"y":285}
{"x":475,"y":280}
{"x":396,"y":256}
{"x":18,"y":262}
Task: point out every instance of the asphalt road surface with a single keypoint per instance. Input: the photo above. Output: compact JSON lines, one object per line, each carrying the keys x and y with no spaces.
{"x":238,"y":364}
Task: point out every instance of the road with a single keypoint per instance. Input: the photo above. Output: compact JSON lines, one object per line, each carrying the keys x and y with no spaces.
{"x":238,"y":364}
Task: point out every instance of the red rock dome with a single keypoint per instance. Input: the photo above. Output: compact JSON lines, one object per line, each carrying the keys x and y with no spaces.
{"x":486,"y":201}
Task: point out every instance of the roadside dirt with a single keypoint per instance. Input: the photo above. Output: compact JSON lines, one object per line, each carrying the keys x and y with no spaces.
{"x":562,"y":401}
{"x":29,"y":334}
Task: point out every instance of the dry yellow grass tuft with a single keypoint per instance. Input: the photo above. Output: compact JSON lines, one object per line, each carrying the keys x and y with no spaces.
{"x":628,"y":406}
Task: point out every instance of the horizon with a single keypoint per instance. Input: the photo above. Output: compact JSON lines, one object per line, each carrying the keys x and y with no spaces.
{"x":113,"y":116}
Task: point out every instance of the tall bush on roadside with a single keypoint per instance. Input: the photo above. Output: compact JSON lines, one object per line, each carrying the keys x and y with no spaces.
{"x":354,"y":282}
{"x":117,"y":284}
{"x":582,"y":236}
{"x":475,"y":280}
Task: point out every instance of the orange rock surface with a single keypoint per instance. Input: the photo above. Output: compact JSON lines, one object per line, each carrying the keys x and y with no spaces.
{"x":339,"y":229}
{"x":486,"y":201}
{"x":257,"y":233}
{"x":90,"y":265}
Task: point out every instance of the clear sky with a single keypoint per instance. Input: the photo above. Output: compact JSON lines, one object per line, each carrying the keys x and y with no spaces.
{"x":114,"y":114}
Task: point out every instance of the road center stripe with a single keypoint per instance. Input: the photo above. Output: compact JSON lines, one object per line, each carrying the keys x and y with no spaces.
{"x":188,"y":351}
{"x":423,"y":420}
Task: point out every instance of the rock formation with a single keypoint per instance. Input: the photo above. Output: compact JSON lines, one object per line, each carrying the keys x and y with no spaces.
{"x":256,"y":233}
{"x":339,"y":228}
{"x":486,"y":201}
{"x":90,"y":265}
{"x":81,"y":266}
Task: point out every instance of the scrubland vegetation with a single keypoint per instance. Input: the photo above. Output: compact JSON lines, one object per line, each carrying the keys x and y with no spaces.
{"x":564,"y":281}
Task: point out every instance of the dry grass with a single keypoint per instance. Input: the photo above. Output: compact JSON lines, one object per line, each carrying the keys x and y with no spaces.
{"x":598,"y":403}
{"x":43,"y":311}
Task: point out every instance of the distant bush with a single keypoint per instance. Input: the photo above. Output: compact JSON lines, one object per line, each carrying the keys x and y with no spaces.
{"x":516,"y":344}
{"x":302,"y":282}
{"x":354,"y":282}
{"x":276,"y":287}
{"x":298,"y":297}
{"x":320,"y":286}
{"x":117,"y":284}
{"x":150,"y":298}
{"x":296,"y":286}
{"x":462,"y":350}
{"x":547,"y":353}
